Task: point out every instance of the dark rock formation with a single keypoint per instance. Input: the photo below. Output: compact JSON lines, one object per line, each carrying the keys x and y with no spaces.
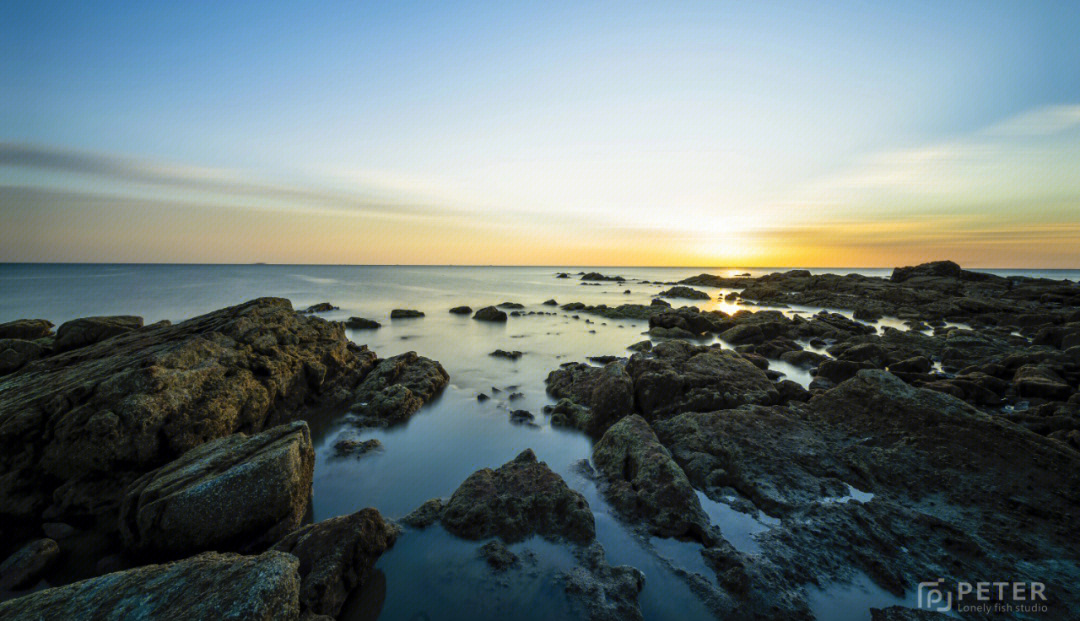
{"x":490,"y":313}
{"x":607,"y":391}
{"x":204,"y":587}
{"x":26,"y":329}
{"x":25,"y":567}
{"x":405,"y":313}
{"x":321,"y":307}
{"x":461,"y":310}
{"x":337,"y":556}
{"x":396,"y":388}
{"x":607,"y":593}
{"x":89,"y":330}
{"x":237,"y":493}
{"x":351,"y":447}
{"x":360,"y":323}
{"x":687,"y":293}
{"x":498,"y":556}
{"x":597,"y":276}
{"x":509,"y":355}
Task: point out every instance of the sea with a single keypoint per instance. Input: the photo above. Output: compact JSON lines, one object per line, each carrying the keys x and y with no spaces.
{"x":429,"y":574}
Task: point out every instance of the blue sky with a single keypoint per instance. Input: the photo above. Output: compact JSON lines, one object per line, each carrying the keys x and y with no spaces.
{"x":621,"y":133}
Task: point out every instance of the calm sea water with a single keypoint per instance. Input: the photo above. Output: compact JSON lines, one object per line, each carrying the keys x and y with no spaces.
{"x":429,"y":574}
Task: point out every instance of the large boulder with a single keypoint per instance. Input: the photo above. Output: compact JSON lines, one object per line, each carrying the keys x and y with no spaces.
{"x":25,"y":329}
{"x":607,"y":391}
{"x":490,"y":313}
{"x":337,"y":556}
{"x":396,"y":388}
{"x":643,"y":482}
{"x":23,"y":568}
{"x":935,"y":269}
{"x":16,"y":353}
{"x":89,"y":330}
{"x":236,"y":493}
{"x":522,"y":497}
{"x":687,"y":293}
{"x":76,"y":427}
{"x":681,"y":377}
{"x":207,"y":587}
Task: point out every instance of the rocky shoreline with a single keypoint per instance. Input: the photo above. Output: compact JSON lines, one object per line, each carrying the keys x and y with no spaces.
{"x":165,"y":468}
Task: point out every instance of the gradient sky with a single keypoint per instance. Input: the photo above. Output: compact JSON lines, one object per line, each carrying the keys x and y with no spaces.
{"x":751,"y":134}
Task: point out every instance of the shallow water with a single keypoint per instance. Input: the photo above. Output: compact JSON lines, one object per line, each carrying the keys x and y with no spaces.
{"x":430,"y":574}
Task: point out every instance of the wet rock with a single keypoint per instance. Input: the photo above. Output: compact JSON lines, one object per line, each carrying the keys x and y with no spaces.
{"x":521,"y":417}
{"x":235,"y":493}
{"x":425,"y":515}
{"x":26,"y":566}
{"x":490,"y":313}
{"x":509,"y":355}
{"x":645,"y":345}
{"x":498,"y":556}
{"x":510,"y":305}
{"x":337,"y":556}
{"x":917,"y":364}
{"x":598,"y":276}
{"x":405,"y":313}
{"x":803,"y":358}
{"x":89,"y":330}
{"x":566,"y":413}
{"x":350,"y":447}
{"x":551,"y":302}
{"x":940,"y":269}
{"x":644,"y":483}
{"x":207,"y":586}
{"x":659,"y":302}
{"x":673,"y":333}
{"x":607,"y":593}
{"x":520,"y":498}
{"x":687,"y":293}
{"x":791,"y":391}
{"x":26,"y":329}
{"x":396,"y":388}
{"x":745,"y":333}
{"x":688,"y":319}
{"x":607,"y":391}
{"x":481,"y":397}
{"x":461,"y":310}
{"x":1042,"y":382}
{"x":321,"y":307}
{"x":360,"y":323}
{"x":114,"y":411}
{"x":837,"y":371}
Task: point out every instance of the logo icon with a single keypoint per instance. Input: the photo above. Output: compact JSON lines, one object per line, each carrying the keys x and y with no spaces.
{"x":933,"y":596}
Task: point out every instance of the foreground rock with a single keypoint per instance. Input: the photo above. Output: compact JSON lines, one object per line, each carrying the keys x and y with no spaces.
{"x":522,"y":497}
{"x":207,"y":587}
{"x":396,"y":388}
{"x":236,"y":493}
{"x":643,"y":482}
{"x":76,"y":427}
{"x":337,"y":557}
{"x":607,"y":593}
{"x":26,"y":566}
{"x":89,"y":330}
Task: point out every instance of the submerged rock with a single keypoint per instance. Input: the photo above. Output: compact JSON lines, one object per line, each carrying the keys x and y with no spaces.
{"x":337,"y":557}
{"x":396,"y":388}
{"x":498,"y":556}
{"x":644,"y":482}
{"x":360,"y":323}
{"x":206,"y":587}
{"x":490,"y":313}
{"x":405,"y":313}
{"x":26,"y":566}
{"x":520,"y":498}
{"x":237,"y":493}
{"x":687,"y":293}
{"x":460,"y":310}
{"x":76,"y":427}
{"x":607,"y":593}
{"x":321,"y":307}
{"x":349,"y":447}
{"x":509,"y":355}
{"x":597,"y":276}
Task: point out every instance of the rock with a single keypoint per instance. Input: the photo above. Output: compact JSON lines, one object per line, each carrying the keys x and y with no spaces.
{"x":607,"y":391}
{"x":490,"y":313}
{"x":321,"y":307}
{"x":26,"y":566}
{"x":521,"y":417}
{"x":601,"y":277}
{"x":645,"y":345}
{"x":941,"y":269}
{"x":498,"y":556}
{"x":607,"y":593}
{"x":57,"y":531}
{"x":1041,"y":382}
{"x":659,"y":302}
{"x":405,"y":313}
{"x":25,"y":329}
{"x":337,"y":556}
{"x":461,"y":310}
{"x":744,"y":333}
{"x":566,"y":413}
{"x":551,"y":302}
{"x":871,"y":353}
{"x":680,"y":377}
{"x":206,"y":587}
{"x":425,"y":515}
{"x":481,"y":397}
{"x":16,"y":353}
{"x":360,"y":323}
{"x":89,"y":330}
{"x":803,"y":358}
{"x":396,"y":388}
{"x":349,"y":447}
{"x":510,"y":305}
{"x":837,"y":371}
{"x":77,"y":427}
{"x":791,"y":391}
{"x":689,"y":319}
{"x":672,"y":333}
{"x":917,"y":364}
{"x":520,"y":498}
{"x":509,"y":355}
{"x":562,"y":275}
{"x":236,"y":493}
{"x":644,"y":482}
{"x":685,"y":293}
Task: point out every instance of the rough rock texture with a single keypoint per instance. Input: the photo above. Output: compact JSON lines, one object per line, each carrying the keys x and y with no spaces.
{"x":607,"y":593}
{"x":336,"y":557}
{"x":490,"y":313}
{"x":237,"y":493}
{"x":522,"y":497}
{"x":360,"y":323}
{"x":23,"y":568}
{"x":207,"y":587}
{"x":396,"y":388}
{"x":89,"y":330}
{"x":26,"y":329}
{"x":643,"y":482}
{"x":497,"y":555}
{"x":17,"y":353}
{"x":77,"y":426}
{"x":607,"y":391}
{"x":687,"y":293}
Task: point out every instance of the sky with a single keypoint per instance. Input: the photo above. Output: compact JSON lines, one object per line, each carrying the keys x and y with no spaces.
{"x":847,"y":134}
